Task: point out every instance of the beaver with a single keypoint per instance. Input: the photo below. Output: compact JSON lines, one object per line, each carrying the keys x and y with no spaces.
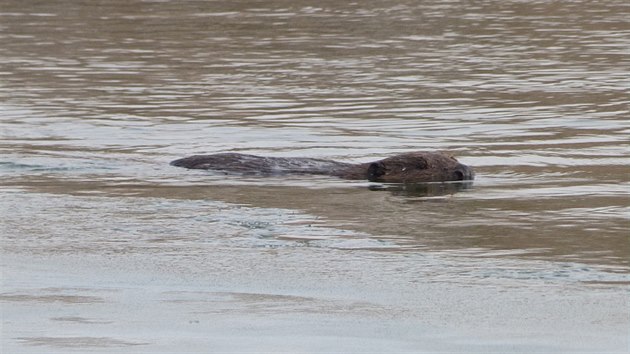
{"x":410,"y":167}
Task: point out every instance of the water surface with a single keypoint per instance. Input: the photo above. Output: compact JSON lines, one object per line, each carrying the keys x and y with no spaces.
{"x":105,"y":245}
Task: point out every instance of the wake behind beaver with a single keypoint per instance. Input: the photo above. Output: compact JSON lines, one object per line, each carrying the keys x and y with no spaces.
{"x":411,"y":167}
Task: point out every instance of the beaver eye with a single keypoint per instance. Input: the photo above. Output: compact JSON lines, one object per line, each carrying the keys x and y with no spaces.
{"x":421,"y":164}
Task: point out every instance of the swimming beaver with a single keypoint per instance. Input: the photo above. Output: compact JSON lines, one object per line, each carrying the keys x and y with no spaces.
{"x":409,"y":167}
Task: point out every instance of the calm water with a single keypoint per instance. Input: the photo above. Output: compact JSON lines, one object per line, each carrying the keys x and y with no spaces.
{"x":97,"y":97}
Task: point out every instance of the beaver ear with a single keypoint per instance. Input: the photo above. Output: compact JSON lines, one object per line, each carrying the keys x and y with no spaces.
{"x":376,"y":170}
{"x":422,"y":163}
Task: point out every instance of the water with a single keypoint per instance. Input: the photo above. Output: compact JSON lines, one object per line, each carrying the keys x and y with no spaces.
{"x":108,"y":248}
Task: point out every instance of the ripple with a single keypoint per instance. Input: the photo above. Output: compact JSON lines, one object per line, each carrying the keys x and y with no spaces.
{"x":533,"y":96}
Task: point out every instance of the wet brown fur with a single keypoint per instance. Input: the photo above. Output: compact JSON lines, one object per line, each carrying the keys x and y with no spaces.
{"x":411,"y":167}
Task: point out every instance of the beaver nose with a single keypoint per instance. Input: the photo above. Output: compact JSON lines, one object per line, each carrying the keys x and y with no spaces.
{"x":463,"y":172}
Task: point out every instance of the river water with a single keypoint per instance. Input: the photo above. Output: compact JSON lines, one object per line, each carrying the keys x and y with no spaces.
{"x":107,"y":248}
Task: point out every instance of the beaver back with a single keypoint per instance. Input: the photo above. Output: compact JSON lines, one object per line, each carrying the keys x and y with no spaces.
{"x":252,"y":164}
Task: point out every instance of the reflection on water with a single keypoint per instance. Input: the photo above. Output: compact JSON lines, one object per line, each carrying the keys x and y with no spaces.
{"x":97,"y":97}
{"x":423,"y":190}
{"x":533,"y":94}
{"x":184,"y":231}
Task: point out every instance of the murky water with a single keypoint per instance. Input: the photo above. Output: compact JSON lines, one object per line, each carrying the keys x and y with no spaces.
{"x":107,"y":246}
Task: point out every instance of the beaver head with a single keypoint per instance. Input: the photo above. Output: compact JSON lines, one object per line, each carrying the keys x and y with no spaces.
{"x":416,"y":167}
